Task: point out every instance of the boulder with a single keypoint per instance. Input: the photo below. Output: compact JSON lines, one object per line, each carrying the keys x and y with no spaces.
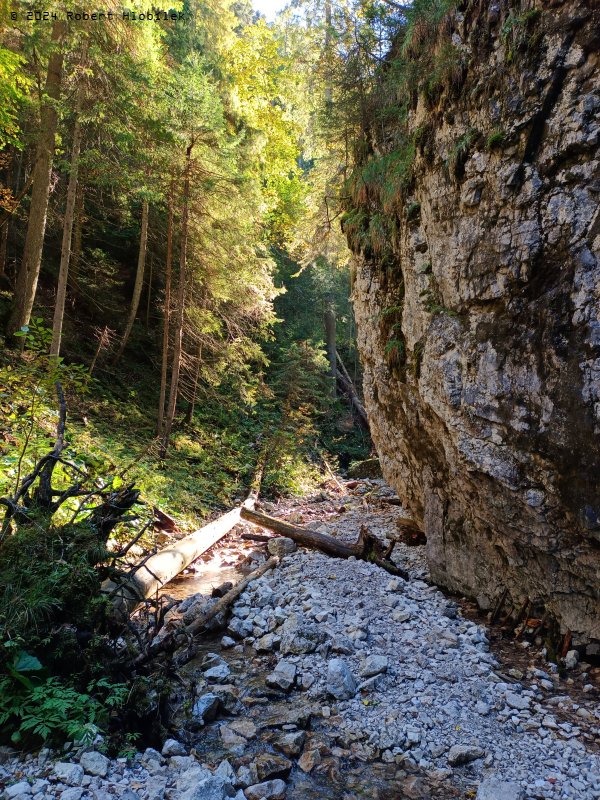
{"x":291,"y":744}
{"x":205,"y":708}
{"x":173,"y":748}
{"x":267,"y":766}
{"x":373,"y":665}
{"x":71,"y":774}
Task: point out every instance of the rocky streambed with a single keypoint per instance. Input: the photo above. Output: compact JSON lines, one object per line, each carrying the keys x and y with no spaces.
{"x":335,"y":680}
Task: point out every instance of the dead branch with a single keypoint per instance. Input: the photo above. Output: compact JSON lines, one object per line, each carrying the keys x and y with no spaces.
{"x":173,"y":640}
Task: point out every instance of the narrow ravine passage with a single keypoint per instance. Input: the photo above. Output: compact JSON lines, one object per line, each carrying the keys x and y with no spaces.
{"x":335,"y":680}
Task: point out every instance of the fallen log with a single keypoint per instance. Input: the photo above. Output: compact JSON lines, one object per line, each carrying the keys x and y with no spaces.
{"x":366,"y":548}
{"x":223,"y":604}
{"x":173,"y":640}
{"x":303,"y":536}
{"x":152,"y":573}
{"x":147,"y":577}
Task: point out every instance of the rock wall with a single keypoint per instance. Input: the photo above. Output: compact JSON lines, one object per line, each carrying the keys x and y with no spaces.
{"x":488,"y":422}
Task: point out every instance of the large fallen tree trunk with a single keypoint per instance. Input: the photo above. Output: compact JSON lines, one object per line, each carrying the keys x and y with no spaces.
{"x":173,"y":640}
{"x":366,"y":548}
{"x":152,"y":573}
{"x":347,"y":387}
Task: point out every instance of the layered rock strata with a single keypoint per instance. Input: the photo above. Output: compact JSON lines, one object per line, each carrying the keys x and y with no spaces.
{"x":487,"y":419}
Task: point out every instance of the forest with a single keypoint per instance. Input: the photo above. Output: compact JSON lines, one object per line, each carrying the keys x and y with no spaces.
{"x":285,"y":424}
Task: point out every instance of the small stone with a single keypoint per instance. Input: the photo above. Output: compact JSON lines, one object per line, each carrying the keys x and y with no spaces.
{"x":266,"y":643}
{"x":343,"y":645}
{"x":227,"y":642}
{"x":268,"y":766}
{"x":291,"y":744}
{"x":206,"y":707}
{"x":243,"y":777}
{"x":244,"y":727}
{"x":150,"y":754}
{"x":173,"y":748}
{"x":374,"y":665}
{"x":307,"y":680}
{"x":218,"y":674}
{"x":482,"y":708}
{"x":71,"y":774}
{"x":75,"y":793}
{"x":20,"y":788}
{"x":230,"y":738}
{"x":518,"y":701}
{"x":95,"y":764}
{"x":269,"y":790}
{"x":303,"y":639}
{"x":571,"y":659}
{"x":281,"y":546}
{"x":340,"y":681}
{"x":464,"y":754}
{"x":226,"y":772}
{"x":283,"y":676}
{"x":309,"y":760}
{"x":493,"y":788}
{"x":213,"y":787}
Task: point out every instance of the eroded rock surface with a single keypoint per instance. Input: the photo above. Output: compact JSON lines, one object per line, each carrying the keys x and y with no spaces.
{"x":486,"y":416}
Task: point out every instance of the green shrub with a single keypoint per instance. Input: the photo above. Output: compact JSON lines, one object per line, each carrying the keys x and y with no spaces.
{"x":37,"y":708}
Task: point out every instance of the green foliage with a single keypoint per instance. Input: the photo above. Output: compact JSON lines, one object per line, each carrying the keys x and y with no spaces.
{"x":36,"y":708}
{"x":517,"y":32}
{"x":457,"y":157}
{"x":383,"y":179}
{"x":413,"y":211}
{"x":432,"y":303}
{"x":14,"y":84}
{"x":495,"y":139}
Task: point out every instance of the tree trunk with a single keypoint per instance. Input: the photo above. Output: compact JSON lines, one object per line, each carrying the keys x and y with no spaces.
{"x":149,"y":295}
{"x":328,"y":91}
{"x":330,"y":343}
{"x":166,"y":318}
{"x":73,"y":281}
{"x":65,"y":253}
{"x":177,"y":347}
{"x":29,"y":269}
{"x":189,"y":414}
{"x":139,"y":281}
{"x":176,"y":638}
{"x":304,"y":536}
{"x":146,"y":578}
{"x":4,"y":230}
{"x":348,"y":387}
{"x":160,"y":568}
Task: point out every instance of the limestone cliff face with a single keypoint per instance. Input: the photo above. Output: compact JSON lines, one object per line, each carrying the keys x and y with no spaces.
{"x":487,"y":418}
